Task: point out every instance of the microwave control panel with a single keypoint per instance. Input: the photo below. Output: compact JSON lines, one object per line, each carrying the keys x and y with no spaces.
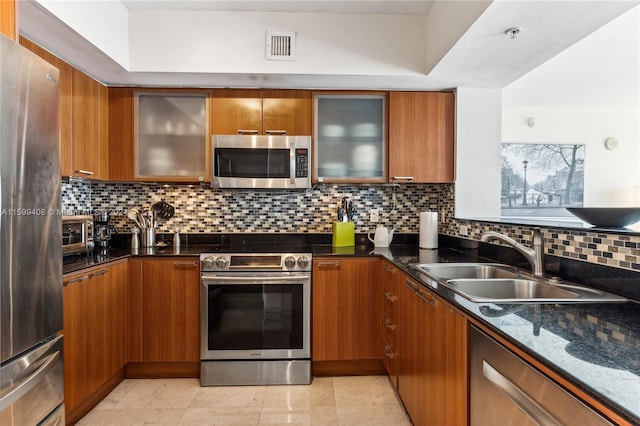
{"x":302,"y":162}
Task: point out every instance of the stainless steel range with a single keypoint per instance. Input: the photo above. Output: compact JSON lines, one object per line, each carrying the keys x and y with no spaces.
{"x":255,"y":318}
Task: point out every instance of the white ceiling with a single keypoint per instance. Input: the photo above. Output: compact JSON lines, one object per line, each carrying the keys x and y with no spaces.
{"x":465,"y":44}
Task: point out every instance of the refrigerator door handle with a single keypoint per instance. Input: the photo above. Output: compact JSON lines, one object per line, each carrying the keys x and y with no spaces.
{"x":25,"y":385}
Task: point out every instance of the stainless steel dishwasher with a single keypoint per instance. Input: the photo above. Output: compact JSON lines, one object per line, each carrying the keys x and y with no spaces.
{"x":505,"y":390}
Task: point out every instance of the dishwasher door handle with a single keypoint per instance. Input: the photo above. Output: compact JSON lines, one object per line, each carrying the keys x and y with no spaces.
{"x":519,"y":397}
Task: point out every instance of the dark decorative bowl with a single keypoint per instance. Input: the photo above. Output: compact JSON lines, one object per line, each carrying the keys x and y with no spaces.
{"x":607,"y":217}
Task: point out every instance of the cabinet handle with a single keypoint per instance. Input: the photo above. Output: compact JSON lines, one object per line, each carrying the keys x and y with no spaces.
{"x":335,"y":264}
{"x":530,"y":406}
{"x":275,"y":132}
{"x":84,"y":172}
{"x":75,"y":280}
{"x":99,"y":273}
{"x":428,"y":299}
{"x":389,"y":268}
{"x":410,"y":285}
{"x":247,"y":132}
{"x":185,"y":264}
{"x":388,"y":352}
{"x":403,"y":178}
{"x":390,"y":296}
{"x":389,"y":324}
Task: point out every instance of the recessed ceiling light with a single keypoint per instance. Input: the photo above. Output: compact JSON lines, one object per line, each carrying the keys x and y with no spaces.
{"x":513,"y":32}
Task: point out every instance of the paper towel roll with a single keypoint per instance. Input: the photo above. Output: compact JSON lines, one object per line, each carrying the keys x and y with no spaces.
{"x":428,"y":230}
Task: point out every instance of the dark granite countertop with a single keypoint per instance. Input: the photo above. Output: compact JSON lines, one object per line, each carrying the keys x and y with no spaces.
{"x":595,"y":346}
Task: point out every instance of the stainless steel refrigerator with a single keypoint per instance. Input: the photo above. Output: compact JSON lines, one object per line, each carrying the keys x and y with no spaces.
{"x":31,"y":375}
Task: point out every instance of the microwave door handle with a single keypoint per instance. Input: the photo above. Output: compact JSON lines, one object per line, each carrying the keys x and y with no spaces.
{"x":292,"y":159}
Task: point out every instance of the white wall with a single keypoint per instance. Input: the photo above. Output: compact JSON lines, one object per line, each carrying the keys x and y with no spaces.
{"x":478,"y":127}
{"x":326,"y":43}
{"x":610,"y":176}
{"x":104,"y":23}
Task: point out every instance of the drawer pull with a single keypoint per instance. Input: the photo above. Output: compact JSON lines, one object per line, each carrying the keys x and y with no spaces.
{"x":389,"y":268}
{"x":247,"y":132}
{"x":84,"y":172}
{"x":403,"y":178}
{"x":99,"y":273}
{"x":75,"y":280}
{"x":412,"y":286}
{"x":335,"y":264}
{"x":276,"y":132}
{"x":389,"y":324}
{"x":185,"y":264}
{"x":388,"y":352}
{"x":390,"y":296}
{"x":432,"y":302}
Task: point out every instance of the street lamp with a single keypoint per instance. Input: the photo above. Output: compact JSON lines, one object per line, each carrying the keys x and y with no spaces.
{"x":524,"y":195}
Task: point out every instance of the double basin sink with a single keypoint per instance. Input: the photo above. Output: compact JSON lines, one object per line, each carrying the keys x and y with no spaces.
{"x":498,"y":283}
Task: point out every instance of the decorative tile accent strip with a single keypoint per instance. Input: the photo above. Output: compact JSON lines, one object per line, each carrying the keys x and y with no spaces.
{"x":617,"y":250}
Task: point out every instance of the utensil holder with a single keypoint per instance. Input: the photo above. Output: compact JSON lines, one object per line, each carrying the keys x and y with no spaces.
{"x":148,"y":237}
{"x":344,"y":234}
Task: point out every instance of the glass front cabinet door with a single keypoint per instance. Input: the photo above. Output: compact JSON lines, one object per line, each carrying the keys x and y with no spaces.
{"x":350,"y":138}
{"x":171,"y":136}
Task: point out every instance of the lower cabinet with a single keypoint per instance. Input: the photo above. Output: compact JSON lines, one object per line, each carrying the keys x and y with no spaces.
{"x":391,"y":278}
{"x":341,"y":309}
{"x":429,"y":351}
{"x":94,"y":317}
{"x":171,"y":310}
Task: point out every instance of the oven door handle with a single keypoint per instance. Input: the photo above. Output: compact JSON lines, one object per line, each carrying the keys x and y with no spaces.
{"x":253,"y":280}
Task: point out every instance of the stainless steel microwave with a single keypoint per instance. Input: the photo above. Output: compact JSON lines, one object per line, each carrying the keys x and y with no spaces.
{"x":262,"y":162}
{"x":77,"y":234}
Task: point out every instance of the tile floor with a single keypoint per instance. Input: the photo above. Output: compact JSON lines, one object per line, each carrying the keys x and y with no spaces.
{"x":362,"y":400}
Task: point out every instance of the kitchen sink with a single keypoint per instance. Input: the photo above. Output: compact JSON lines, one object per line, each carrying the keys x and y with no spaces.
{"x":504,"y":290}
{"x":450,"y":271}
{"x":499,"y":283}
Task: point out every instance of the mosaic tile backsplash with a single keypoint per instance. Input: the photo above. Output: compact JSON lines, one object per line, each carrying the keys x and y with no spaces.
{"x":200,"y":209}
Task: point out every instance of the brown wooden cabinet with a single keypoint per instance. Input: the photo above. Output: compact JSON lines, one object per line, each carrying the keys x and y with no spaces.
{"x":171,"y":310}
{"x":8,"y":18}
{"x":390,"y":296}
{"x":89,"y":118}
{"x":432,"y":359}
{"x":421,"y":136}
{"x":94,"y":319}
{"x":261,"y":112}
{"x":341,"y":309}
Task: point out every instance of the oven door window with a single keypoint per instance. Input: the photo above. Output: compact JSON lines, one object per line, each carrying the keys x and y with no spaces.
{"x":255,"y":316}
{"x":252,"y":163}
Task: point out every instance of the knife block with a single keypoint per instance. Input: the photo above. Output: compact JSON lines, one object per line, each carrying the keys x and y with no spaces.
{"x":344,"y":234}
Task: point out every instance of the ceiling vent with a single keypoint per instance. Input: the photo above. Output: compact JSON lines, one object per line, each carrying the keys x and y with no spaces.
{"x":281,"y":45}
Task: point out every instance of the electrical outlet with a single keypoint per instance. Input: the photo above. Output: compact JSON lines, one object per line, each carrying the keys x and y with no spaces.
{"x":374,"y":215}
{"x":464,"y":230}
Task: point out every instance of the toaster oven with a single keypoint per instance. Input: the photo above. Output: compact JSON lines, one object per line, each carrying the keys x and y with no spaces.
{"x":77,"y":234}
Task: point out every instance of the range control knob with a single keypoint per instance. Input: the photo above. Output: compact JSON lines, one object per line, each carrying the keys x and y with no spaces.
{"x":221,"y":262}
{"x":290,"y":262}
{"x":207,"y":262}
{"x":303,"y":262}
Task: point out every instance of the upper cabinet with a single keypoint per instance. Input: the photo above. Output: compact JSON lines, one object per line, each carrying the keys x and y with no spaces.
{"x":8,"y":21}
{"x":350,"y":137}
{"x":89,"y":120}
{"x":159,"y":135}
{"x":171,"y":135}
{"x":421,"y":137}
{"x":261,"y":112}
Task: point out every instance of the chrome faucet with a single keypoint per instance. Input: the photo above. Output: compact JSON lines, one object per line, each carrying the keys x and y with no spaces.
{"x":534,"y":256}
